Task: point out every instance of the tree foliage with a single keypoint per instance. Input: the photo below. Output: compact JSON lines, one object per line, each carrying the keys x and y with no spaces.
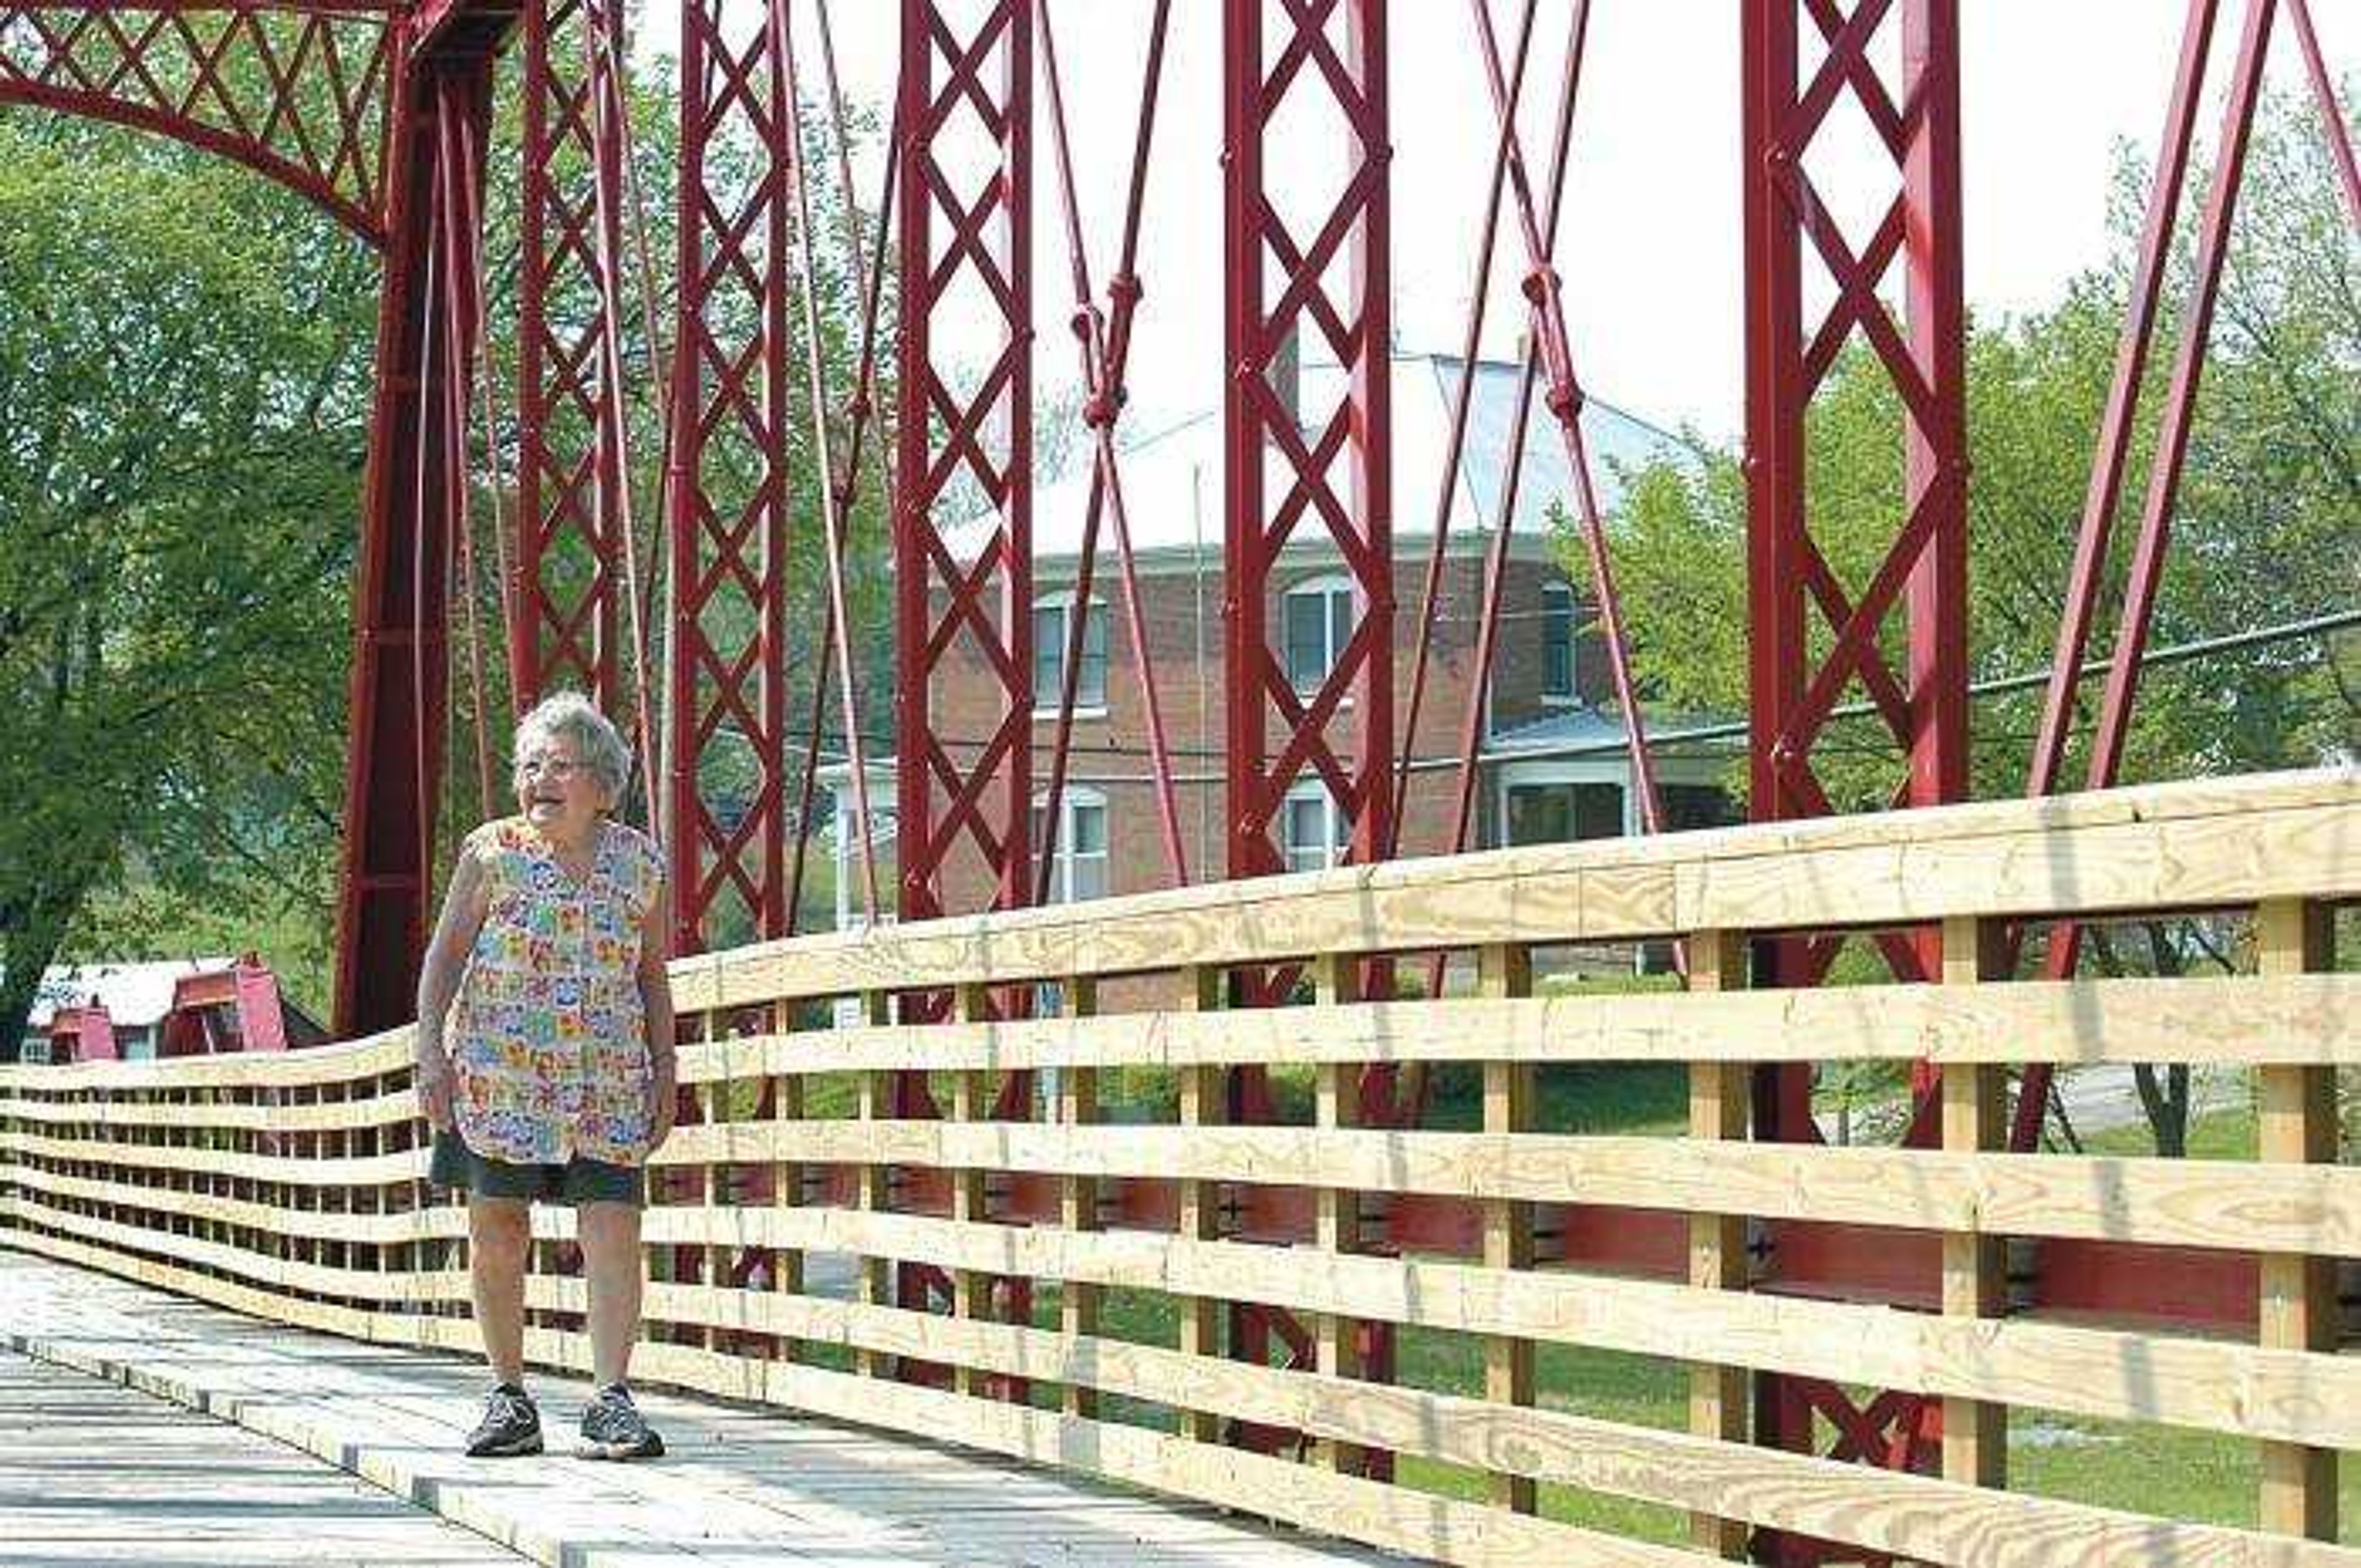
{"x":2264,"y":531}
{"x":183,"y":354}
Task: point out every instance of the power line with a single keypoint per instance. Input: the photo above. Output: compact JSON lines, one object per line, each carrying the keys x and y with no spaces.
{"x":1703,"y":737}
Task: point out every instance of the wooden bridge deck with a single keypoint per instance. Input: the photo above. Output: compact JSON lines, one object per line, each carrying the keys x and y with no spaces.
{"x":92,"y":1474}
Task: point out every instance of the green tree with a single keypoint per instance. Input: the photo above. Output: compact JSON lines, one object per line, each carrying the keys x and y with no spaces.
{"x":183,"y":355}
{"x":2263,"y":530}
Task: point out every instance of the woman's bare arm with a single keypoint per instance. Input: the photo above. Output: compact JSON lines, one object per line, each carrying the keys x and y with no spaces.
{"x":464,"y":908}
{"x":656,"y":1003}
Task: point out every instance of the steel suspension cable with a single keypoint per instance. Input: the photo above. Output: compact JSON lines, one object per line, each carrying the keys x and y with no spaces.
{"x":1098,"y":341}
{"x":608,"y":119}
{"x":870,"y":278}
{"x":2331,"y":116}
{"x":781,"y":23}
{"x":1455,"y":443}
{"x":1565,"y":399}
{"x":462,"y":324}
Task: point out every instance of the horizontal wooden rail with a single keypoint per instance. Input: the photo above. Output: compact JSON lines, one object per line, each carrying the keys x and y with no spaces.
{"x":797,"y":1216}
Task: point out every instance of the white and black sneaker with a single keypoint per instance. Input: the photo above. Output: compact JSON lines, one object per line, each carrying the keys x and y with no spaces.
{"x":613,"y":1427}
{"x":511,"y":1426}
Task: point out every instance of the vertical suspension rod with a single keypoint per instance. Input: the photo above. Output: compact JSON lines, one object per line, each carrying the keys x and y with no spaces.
{"x":1565,"y":399}
{"x":611,"y":146}
{"x":859,"y":411}
{"x":2113,"y":452}
{"x":463,"y":264}
{"x":1096,"y":340}
{"x":1455,"y":443}
{"x":831,"y":497}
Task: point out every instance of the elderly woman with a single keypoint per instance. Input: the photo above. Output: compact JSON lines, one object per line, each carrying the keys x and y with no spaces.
{"x":544,"y":1053}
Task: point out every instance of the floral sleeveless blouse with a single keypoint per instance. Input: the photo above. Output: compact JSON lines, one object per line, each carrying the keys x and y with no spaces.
{"x":548,"y":1040}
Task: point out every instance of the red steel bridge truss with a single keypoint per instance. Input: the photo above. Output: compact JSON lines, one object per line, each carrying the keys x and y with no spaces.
{"x":671,"y":606}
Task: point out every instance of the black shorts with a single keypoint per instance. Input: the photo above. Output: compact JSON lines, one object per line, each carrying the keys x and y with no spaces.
{"x":579,"y":1181}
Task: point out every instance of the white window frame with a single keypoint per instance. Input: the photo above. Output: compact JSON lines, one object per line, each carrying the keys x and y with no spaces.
{"x":1324,"y":586}
{"x":1045,"y":702}
{"x":1061,"y":865}
{"x":1571,"y":695}
{"x":1338,"y":844}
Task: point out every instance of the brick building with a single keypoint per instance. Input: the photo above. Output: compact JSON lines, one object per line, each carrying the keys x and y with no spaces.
{"x":1554,"y":766}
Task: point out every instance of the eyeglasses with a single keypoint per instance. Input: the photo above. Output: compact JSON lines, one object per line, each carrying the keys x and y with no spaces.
{"x":547,"y":767}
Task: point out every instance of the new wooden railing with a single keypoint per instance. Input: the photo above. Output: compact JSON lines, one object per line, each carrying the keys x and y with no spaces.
{"x":794,"y":1220}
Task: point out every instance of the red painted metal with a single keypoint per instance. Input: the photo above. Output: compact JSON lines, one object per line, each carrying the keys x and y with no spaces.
{"x":1277,"y":267}
{"x":298,"y":93}
{"x":410,"y":497}
{"x":964,"y":116}
{"x":835,"y":487}
{"x":1326,"y":63}
{"x":571,"y":534}
{"x":728,"y":502}
{"x":2332,"y":116}
{"x":1793,"y":691}
{"x":965,"y":89}
{"x":1103,"y":342}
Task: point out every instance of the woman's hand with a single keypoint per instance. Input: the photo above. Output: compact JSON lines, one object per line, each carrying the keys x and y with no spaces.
{"x":433,"y":1079}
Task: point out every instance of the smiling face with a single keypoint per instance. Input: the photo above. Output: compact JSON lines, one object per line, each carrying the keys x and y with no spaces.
{"x":557,"y":792}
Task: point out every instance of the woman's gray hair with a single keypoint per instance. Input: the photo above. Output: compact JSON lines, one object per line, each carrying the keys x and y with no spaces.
{"x":570,"y":716}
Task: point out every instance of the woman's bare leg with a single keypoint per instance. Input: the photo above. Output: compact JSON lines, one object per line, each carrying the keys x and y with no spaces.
{"x":499,"y":1237}
{"x":610,"y":1234}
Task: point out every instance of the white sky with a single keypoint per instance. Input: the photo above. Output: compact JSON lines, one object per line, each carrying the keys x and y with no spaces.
{"x":1651,"y":249}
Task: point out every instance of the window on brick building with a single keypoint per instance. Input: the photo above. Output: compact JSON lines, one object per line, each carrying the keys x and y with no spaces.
{"x":1313,"y":833}
{"x":1557,"y":642}
{"x":1079,"y":868}
{"x":1564,"y":812}
{"x":1316,"y":621}
{"x":1052,"y":628}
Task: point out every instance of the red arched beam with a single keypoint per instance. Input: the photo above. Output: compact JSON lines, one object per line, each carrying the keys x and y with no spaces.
{"x":166,"y":69}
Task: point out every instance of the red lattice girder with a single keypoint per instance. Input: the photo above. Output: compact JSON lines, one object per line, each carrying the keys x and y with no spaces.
{"x":571,"y":507}
{"x":1333,"y":457}
{"x":965,"y":119}
{"x":1915,"y":250}
{"x":412,"y":501}
{"x":298,"y":93}
{"x":728,"y":501}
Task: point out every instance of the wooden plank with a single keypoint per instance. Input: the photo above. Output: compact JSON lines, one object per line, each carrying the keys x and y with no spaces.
{"x":873,"y":1179}
{"x":1502,"y":973}
{"x":2156,"y":846}
{"x":1718,"y":1111}
{"x":2107,"y":1372}
{"x":1336,"y":1213}
{"x":1975,"y":1273}
{"x":2296,"y":1122}
{"x":2208,"y":1203}
{"x":288,"y":1169}
{"x":2308,"y":1019}
{"x":1924,"y":1519}
{"x":1078,"y":1106}
{"x":1202,"y":1107}
{"x":359,"y":1114}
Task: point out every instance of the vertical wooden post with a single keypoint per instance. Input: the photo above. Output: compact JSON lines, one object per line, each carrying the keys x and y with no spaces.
{"x":787,"y":1178}
{"x":1201,"y":1201}
{"x":2297,"y":1117}
{"x":1975,"y":1275}
{"x":1503,"y":973}
{"x":1717,"y":1107}
{"x":876,"y":1183}
{"x":713,"y":1106}
{"x":1078,"y":1106}
{"x":970,"y":1288}
{"x":1338,"y":1217}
